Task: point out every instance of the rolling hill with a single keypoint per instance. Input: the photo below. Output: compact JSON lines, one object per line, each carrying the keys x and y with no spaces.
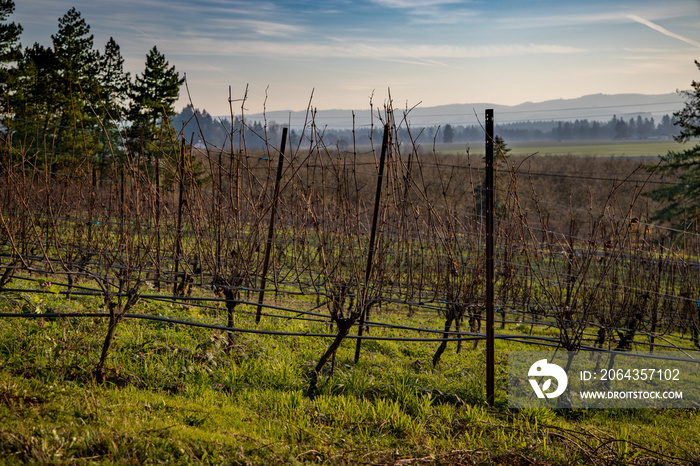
{"x":599,"y":107}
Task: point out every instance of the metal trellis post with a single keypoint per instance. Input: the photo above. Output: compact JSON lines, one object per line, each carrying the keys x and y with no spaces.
{"x":490,"y":359}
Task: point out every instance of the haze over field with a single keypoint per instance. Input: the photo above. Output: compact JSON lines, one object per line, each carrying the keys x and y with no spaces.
{"x":599,"y":107}
{"x":436,"y":52}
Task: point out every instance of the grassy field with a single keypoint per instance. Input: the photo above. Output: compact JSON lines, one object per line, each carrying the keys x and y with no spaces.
{"x":649,"y":148}
{"x":175,"y":395}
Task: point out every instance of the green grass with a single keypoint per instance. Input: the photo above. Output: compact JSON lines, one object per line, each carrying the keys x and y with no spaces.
{"x":597,"y":148}
{"x":174,"y":395}
{"x":646,"y":148}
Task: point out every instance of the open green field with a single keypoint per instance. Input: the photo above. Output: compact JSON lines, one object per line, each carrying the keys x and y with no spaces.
{"x":596,"y":148}
{"x":649,"y":148}
{"x":173,"y":394}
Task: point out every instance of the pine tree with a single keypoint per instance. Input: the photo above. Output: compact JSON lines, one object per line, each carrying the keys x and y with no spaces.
{"x":448,"y":134}
{"x":689,"y":117}
{"x":114,"y":83}
{"x":114,"y":88}
{"x":683,"y":199}
{"x":621,"y":130}
{"x":154,"y":95}
{"x":191,"y":120}
{"x":666,"y":127}
{"x":77,"y":65}
{"x":35,"y":106}
{"x":10,"y":50}
{"x":155,"y":92}
{"x":73,"y":47}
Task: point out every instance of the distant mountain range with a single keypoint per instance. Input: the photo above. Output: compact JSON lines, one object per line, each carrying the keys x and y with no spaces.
{"x":599,"y":107}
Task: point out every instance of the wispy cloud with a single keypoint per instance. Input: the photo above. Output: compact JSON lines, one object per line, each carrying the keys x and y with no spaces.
{"x":569,"y":15}
{"x":529,"y":21}
{"x":145,"y":34}
{"x":262,"y":28}
{"x":360,"y":50}
{"x":438,"y":16}
{"x":414,"y":3}
{"x":663,"y":30}
{"x":432,"y":12}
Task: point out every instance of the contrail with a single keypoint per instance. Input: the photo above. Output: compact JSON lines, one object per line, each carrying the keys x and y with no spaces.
{"x":662,"y":30}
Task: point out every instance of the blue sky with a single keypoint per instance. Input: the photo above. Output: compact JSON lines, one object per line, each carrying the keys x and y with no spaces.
{"x":432,"y":52}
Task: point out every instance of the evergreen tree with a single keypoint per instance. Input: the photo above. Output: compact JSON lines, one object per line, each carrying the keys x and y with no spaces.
{"x":206,"y":128}
{"x":620,"y":128}
{"x":155,"y":92}
{"x":666,"y":128}
{"x":153,"y":99}
{"x":648,"y":128}
{"x":631,"y":129}
{"x":448,"y":134}
{"x":683,"y":198}
{"x":73,"y":47}
{"x":77,"y":65}
{"x":689,"y":117}
{"x":114,"y":86}
{"x":10,"y":50}
{"x":114,"y":83}
{"x":35,"y":106}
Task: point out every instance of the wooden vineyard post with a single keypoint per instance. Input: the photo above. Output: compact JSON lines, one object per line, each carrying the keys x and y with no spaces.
{"x":271,"y":229}
{"x":158,"y":258}
{"x":372,"y":239}
{"x":490,"y":359}
{"x":178,"y":240}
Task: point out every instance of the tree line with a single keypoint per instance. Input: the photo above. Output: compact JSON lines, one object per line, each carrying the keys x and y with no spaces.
{"x":206,"y":131}
{"x":215,"y":130}
{"x":70,"y":106}
{"x":615,"y":128}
